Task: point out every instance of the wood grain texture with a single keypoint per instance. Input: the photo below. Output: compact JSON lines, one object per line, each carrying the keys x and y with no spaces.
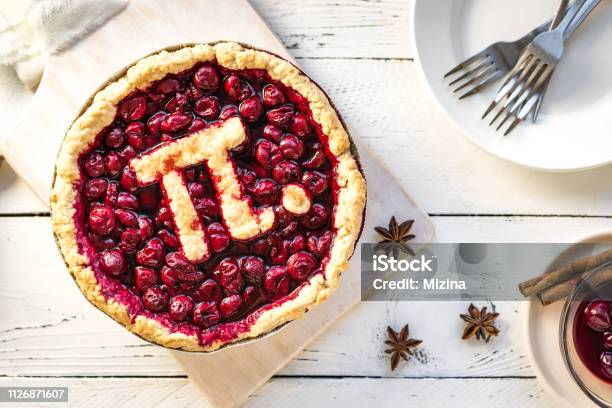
{"x":304,"y":392}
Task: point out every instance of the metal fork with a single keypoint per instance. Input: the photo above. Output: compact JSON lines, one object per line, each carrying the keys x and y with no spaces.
{"x":492,"y":63}
{"x":524,"y":84}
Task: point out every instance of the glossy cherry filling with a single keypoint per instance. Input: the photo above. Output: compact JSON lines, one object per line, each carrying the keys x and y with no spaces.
{"x":129,"y":232}
{"x":593,"y":334}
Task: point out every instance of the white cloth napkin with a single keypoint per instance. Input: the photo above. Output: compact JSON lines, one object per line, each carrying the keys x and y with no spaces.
{"x":32,"y":29}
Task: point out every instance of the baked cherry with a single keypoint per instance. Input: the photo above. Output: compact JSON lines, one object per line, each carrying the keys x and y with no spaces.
{"x":169,"y":239}
{"x":208,"y":291}
{"x":607,"y":340}
{"x":218,"y":237}
{"x":317,"y":158}
{"x":196,"y":125}
{"x":251,"y":109}
{"x":133,"y":108}
{"x":168,"y":85}
{"x":316,"y":217}
{"x":144,"y":278}
{"x":127,"y":153}
{"x":113,"y":163}
{"x":154,"y":123}
{"x":207,"y":78}
{"x":316,"y":182}
{"x":319,"y":243}
{"x":291,"y":147}
{"x":253,"y":268}
{"x":135,"y":132}
{"x":129,"y":240}
{"x":272,"y":133}
{"x":272,"y":96}
{"x":127,"y":201}
{"x":155,"y":299}
{"x":152,"y":253}
{"x":597,"y":315}
{"x":113,"y":262}
{"x":208,"y":107}
{"x":297,"y":243}
{"x":300,"y":126}
{"x":206,"y":207}
{"x":230,"y":305}
{"x":286,"y":172}
{"x":235,"y":88}
{"x":206,"y":314}
{"x":175,"y":122}
{"x":276,"y":282}
{"x":145,"y":227}
{"x":127,"y":218}
{"x":102,"y":220}
{"x":115,"y":138}
{"x":267,"y":153}
{"x":180,"y":308}
{"x":280,"y":116}
{"x":249,"y":295}
{"x":94,"y":165}
{"x":300,"y":265}
{"x":228,"y":274}
{"x":265,"y":191}
{"x":228,"y":111}
{"x":95,"y":188}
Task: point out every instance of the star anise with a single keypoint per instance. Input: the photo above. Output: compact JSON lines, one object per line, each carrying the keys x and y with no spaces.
{"x":480,"y":323}
{"x":395,"y":237}
{"x":400,"y":344}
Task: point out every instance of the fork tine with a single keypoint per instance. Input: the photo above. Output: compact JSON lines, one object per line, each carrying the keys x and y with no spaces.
{"x":483,"y":65}
{"x":512,"y":80}
{"x":466,"y":63}
{"x":508,"y":115}
{"x":475,"y":79}
{"x":532,"y":86}
{"x":483,"y":84}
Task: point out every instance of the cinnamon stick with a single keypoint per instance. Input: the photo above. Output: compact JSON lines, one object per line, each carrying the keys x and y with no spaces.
{"x":563,"y":289}
{"x":579,"y":266}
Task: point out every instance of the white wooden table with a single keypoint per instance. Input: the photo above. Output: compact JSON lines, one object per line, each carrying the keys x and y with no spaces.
{"x":359,"y":52}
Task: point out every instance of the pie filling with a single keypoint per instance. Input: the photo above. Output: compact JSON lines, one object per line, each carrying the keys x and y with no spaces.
{"x":208,"y":200}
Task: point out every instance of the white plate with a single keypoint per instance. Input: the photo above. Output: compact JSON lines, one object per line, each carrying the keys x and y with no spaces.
{"x":573,"y":130}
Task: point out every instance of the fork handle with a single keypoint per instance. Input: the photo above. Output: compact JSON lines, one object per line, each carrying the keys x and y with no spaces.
{"x":559,"y":14}
{"x":579,"y":18}
{"x":569,"y":18}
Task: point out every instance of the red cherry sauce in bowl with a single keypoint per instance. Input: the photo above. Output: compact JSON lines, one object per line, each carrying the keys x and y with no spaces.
{"x":593,"y":336}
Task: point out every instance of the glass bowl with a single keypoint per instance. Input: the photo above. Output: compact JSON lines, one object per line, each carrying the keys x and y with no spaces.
{"x":597,"y":285}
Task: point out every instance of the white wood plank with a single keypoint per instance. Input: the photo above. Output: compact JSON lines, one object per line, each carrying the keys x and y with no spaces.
{"x":303,"y":392}
{"x":340,"y":29}
{"x":387,"y":103}
{"x":49,"y":329}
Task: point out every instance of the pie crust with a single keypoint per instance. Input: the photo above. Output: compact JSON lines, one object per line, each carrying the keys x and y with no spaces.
{"x":348,"y":210}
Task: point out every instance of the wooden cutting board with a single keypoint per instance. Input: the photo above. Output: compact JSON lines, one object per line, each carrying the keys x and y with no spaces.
{"x":229,"y":376}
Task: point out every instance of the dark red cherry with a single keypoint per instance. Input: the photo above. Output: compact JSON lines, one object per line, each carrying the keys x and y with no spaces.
{"x":235,"y":88}
{"x":300,"y":265}
{"x":317,"y":159}
{"x":196,"y":125}
{"x":113,"y":262}
{"x":276,"y":282}
{"x":315,"y":218}
{"x":272,"y":96}
{"x":218,"y":237}
{"x":102,"y":220}
{"x":206,"y":314}
{"x":267,"y":153}
{"x":95,"y":188}
{"x":265,"y":191}
{"x":168,"y":85}
{"x":115,"y":138}
{"x":230,"y":305}
{"x":206,"y":207}
{"x":272,"y":133}
{"x":207,"y":79}
{"x":297,"y":244}
{"x":286,"y":171}
{"x":133,"y":108}
{"x":144,"y":278}
{"x":300,"y":126}
{"x":94,"y":165}
{"x":127,"y":218}
{"x":149,"y":198}
{"x":128,"y":180}
{"x":605,"y":362}
{"x":113,"y":163}
{"x":154,"y":123}
{"x":607,"y":340}
{"x":208,"y":291}
{"x":251,"y":109}
{"x":135,"y":132}
{"x":175,"y":122}
{"x":145,"y":227}
{"x":291,"y":147}
{"x":127,"y":201}
{"x":112,"y":194}
{"x":253,"y":268}
{"x":228,"y":111}
{"x":129,"y":240}
{"x":316,"y":182}
{"x":155,"y":299}
{"x":169,"y":239}
{"x":228,"y":274}
{"x":152,"y":254}
{"x":597,"y":315}
{"x":180,"y":308}
{"x":249,"y":295}
{"x":207,"y":107}
{"x":196,"y":189}
{"x":319,"y":243}
{"x":280,"y":116}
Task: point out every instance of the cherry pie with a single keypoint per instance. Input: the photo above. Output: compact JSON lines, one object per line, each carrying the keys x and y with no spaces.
{"x":208,"y":195}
